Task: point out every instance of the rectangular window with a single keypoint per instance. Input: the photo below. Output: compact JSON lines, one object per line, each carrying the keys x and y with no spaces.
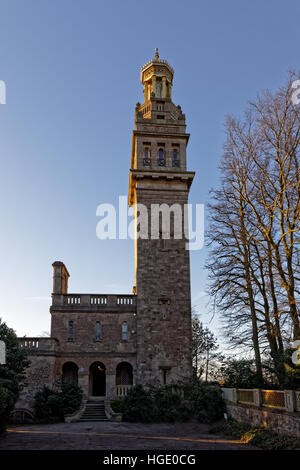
{"x":162,"y":241}
{"x":71,"y":331}
{"x":164,"y":377}
{"x":164,"y":309}
{"x":98,"y":331}
{"x":124,"y":331}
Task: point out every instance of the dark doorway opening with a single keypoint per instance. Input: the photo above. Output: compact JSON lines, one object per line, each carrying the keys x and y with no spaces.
{"x":97,"y":379}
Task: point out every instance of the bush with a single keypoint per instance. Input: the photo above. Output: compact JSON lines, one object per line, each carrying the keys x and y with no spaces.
{"x":12,"y":373}
{"x":164,"y":404}
{"x":154,"y":405}
{"x":117,"y":405}
{"x":52,"y":405}
{"x":7,"y":401}
{"x":138,"y":405}
{"x":205,"y":400}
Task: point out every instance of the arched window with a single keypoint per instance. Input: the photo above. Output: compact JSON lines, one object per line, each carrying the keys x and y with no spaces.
{"x":124,"y":374}
{"x":98,"y":332}
{"x":70,"y":373}
{"x":124,"y":331}
{"x":161,"y":154}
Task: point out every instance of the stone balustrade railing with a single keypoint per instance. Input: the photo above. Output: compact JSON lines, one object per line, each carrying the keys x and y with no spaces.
{"x":288,"y":400}
{"x":122,"y":390}
{"x":37,"y":344}
{"x":91,"y":302}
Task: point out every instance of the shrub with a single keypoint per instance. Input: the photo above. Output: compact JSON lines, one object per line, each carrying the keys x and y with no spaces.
{"x":12,"y":373}
{"x":163,"y":404}
{"x":205,"y":400}
{"x":138,"y":405}
{"x":117,"y":405}
{"x":53,"y":404}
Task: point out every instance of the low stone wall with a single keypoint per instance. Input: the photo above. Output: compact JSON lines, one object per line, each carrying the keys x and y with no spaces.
{"x":277,"y":421}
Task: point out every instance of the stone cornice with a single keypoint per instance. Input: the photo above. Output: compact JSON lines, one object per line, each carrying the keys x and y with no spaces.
{"x":135,"y":175}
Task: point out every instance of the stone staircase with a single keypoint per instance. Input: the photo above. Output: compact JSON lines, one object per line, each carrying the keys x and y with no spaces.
{"x":94,"y":411}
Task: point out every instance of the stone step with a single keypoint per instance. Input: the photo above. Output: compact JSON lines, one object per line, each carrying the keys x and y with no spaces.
{"x":92,"y":420}
{"x":94,"y":411}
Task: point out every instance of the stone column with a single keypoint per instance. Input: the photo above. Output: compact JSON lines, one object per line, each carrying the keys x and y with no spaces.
{"x":234,"y":395}
{"x":170,"y":90}
{"x":110,"y":382}
{"x":164,"y":87}
{"x":83,"y":380}
{"x":153,"y":89}
{"x":289,"y":400}
{"x":257,"y":397}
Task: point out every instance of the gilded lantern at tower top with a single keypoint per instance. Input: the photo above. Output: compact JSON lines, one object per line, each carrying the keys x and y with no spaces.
{"x":157,"y":78}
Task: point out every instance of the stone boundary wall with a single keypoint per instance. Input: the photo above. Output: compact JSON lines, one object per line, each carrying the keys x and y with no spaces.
{"x":277,"y":421}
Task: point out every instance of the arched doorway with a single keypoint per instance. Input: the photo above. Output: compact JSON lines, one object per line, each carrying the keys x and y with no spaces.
{"x":70,"y":373}
{"x":124,"y":375}
{"x":97,"y":379}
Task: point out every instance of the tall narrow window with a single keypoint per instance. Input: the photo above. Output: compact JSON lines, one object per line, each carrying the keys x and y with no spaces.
{"x":147,"y":154}
{"x":124,"y":331}
{"x":164,"y":377}
{"x":161,"y":154}
{"x":164,"y":310}
{"x":98,"y":331}
{"x":161,"y":240}
{"x":176,"y":161}
{"x":71,"y":331}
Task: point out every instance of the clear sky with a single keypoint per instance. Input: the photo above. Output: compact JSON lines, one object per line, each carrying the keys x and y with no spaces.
{"x":72,"y":71}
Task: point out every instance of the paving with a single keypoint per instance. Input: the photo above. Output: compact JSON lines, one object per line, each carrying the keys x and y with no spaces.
{"x":116,"y":436}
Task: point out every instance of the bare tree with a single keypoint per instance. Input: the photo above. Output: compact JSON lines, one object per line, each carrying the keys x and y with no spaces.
{"x":254,"y":226}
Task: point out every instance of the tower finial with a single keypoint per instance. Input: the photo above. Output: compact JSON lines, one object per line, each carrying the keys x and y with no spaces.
{"x":156,"y":54}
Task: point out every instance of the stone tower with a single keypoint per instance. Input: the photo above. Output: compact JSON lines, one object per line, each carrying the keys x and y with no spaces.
{"x":158,"y":175}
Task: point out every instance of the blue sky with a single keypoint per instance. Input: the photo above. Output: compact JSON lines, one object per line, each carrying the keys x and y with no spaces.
{"x":72,"y":71}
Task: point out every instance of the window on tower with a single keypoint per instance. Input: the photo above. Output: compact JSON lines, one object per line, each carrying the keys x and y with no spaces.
{"x":176,"y":157}
{"x":71,"y":331}
{"x":98,"y":333}
{"x":162,"y":241}
{"x":124,"y":331}
{"x":161,"y":157}
{"x":147,"y":154}
{"x":164,"y":304}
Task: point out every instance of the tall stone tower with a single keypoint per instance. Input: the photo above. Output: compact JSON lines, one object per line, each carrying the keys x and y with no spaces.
{"x":158,"y":175}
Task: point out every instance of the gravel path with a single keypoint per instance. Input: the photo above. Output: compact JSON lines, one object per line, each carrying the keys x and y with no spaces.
{"x":110,"y":435}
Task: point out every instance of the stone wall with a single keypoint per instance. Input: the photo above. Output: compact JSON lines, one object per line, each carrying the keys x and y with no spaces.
{"x":39,"y":373}
{"x":277,"y":421}
{"x":84,"y":332}
{"x":163,"y":276}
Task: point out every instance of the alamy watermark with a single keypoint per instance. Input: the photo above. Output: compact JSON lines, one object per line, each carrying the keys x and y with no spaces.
{"x":296,"y":354}
{"x":156,"y":221}
{"x":296,"y":94}
{"x":2,"y":92}
{"x":2,"y":353}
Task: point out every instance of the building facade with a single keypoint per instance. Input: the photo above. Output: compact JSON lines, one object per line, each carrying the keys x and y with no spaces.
{"x":107,"y":343}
